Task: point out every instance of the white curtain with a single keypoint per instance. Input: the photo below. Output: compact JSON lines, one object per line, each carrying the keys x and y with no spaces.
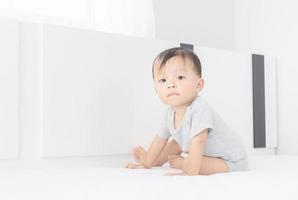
{"x":129,"y":17}
{"x":64,"y":9}
{"x":132,"y":17}
{"x":4,"y":4}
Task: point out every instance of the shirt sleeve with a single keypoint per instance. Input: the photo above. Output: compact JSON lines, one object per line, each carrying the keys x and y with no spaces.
{"x":163,"y":130}
{"x":201,"y":120}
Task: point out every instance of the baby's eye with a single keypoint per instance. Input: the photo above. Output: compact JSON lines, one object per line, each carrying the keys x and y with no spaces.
{"x":181,"y":77}
{"x":162,"y":80}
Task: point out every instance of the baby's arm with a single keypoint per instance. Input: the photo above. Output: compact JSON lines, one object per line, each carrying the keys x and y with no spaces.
{"x":148,"y":159}
{"x":191,"y":165}
{"x":154,"y":151}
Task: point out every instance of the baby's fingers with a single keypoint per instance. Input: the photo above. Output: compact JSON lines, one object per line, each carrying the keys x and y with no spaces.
{"x":172,"y":157}
{"x":134,"y":149}
{"x":175,"y":174}
{"x":138,"y":166}
{"x":134,"y":166}
{"x":128,"y":165}
{"x":171,"y":163}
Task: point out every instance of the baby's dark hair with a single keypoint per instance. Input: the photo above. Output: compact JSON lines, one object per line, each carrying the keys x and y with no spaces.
{"x":184,"y":53}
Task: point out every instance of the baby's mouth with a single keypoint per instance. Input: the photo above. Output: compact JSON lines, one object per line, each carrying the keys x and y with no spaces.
{"x":173,"y":94}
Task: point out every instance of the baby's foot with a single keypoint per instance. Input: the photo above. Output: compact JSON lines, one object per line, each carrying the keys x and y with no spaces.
{"x":134,"y":166}
{"x":175,"y":161}
{"x":139,"y":154}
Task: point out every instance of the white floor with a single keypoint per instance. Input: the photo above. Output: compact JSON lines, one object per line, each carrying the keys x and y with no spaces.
{"x":269,"y":177}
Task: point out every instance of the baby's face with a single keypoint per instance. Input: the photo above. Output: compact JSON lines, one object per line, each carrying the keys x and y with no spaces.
{"x":177,"y":84}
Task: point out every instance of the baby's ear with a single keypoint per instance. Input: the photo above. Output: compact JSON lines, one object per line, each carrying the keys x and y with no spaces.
{"x":200,"y":84}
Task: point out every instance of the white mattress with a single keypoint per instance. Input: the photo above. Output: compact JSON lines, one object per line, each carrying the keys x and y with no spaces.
{"x":270,"y":177}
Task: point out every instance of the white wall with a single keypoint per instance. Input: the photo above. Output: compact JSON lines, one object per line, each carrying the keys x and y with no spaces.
{"x":9,"y":88}
{"x":31,"y":98}
{"x":98,"y":95}
{"x":98,"y":92}
{"x":86,"y":93}
{"x":206,"y":23}
{"x":270,"y":27}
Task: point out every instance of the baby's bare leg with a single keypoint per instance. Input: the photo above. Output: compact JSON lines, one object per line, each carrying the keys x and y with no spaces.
{"x":172,"y":148}
{"x":212,"y":165}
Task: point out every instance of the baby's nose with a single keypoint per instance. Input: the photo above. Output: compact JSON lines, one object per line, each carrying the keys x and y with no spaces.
{"x":172,"y":85}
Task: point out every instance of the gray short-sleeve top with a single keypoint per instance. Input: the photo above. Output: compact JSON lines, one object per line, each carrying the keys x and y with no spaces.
{"x":222,"y":140}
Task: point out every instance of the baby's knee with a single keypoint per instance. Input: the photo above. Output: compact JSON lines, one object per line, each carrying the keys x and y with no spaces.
{"x":175,"y":146}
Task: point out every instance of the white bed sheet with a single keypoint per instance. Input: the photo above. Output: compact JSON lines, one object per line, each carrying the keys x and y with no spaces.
{"x":269,"y":177}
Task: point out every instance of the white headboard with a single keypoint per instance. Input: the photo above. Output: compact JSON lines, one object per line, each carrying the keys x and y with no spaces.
{"x":98,"y":95}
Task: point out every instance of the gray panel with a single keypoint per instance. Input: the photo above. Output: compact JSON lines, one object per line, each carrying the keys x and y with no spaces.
{"x":186,"y":46}
{"x":259,"y":101}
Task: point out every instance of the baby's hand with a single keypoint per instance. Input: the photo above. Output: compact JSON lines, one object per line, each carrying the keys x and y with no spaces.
{"x":175,"y":161}
{"x":134,"y":166}
{"x":175,"y":174}
{"x":139,"y":154}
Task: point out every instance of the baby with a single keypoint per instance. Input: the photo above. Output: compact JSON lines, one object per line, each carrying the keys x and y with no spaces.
{"x":197,"y":130}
